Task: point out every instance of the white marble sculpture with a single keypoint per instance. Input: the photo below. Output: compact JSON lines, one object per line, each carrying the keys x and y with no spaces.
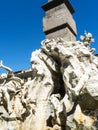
{"x":63,"y":93}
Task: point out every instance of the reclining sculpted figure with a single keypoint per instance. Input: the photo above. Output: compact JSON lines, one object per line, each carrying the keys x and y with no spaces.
{"x":11,"y":85}
{"x":77,"y":64}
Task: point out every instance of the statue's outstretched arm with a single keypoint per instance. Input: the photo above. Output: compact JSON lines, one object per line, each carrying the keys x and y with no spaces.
{"x":5,"y":67}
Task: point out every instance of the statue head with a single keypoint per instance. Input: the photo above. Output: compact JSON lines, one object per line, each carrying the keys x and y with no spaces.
{"x":37,"y":63}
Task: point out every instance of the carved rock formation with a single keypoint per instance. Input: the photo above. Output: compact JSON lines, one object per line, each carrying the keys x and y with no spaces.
{"x":63,"y":94}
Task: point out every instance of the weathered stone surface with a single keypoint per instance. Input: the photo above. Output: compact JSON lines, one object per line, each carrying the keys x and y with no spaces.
{"x":58,"y":20}
{"x":63,"y":92}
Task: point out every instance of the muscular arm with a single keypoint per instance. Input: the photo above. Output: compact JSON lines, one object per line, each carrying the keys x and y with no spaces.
{"x":5,"y":67}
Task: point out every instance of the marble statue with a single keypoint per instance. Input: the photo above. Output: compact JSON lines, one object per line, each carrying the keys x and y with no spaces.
{"x":62,"y":94}
{"x":11,"y":86}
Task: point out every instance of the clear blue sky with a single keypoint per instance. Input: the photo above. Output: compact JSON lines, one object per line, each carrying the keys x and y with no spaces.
{"x":21,"y":28}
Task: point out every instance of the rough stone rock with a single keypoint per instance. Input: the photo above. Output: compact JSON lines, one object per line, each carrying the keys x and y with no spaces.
{"x":63,"y":93}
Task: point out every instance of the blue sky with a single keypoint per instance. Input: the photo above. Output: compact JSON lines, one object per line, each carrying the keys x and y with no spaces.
{"x":21,"y":28}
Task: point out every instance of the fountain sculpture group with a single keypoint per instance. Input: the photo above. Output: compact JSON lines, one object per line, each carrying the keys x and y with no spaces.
{"x":63,"y":93}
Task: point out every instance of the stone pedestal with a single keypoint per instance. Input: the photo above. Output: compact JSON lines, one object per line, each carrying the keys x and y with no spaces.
{"x":58,"y":21}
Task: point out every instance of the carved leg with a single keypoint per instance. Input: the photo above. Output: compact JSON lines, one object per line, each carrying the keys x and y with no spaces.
{"x":7,"y":99}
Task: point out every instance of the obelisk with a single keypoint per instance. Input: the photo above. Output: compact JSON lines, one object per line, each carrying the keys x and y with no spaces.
{"x":58,"y":20}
